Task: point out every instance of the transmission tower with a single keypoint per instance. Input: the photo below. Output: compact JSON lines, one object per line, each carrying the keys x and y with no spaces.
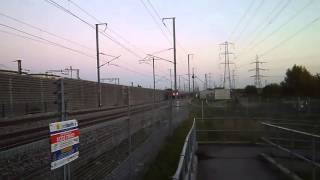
{"x":205,"y":82}
{"x":234,"y":79}
{"x":257,"y":77}
{"x":227,"y":73}
{"x":210,"y":80}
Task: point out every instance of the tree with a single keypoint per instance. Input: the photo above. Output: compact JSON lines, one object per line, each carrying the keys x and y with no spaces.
{"x":298,"y":82}
{"x":317,"y":85}
{"x":272,"y":90}
{"x":251,"y":90}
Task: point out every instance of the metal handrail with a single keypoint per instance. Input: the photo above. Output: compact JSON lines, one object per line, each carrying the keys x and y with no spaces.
{"x":313,"y":137}
{"x":186,"y":156}
{"x":291,"y":130}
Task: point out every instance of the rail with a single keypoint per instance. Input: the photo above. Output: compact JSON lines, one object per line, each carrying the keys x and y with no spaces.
{"x":185,"y":165}
{"x":307,"y":153}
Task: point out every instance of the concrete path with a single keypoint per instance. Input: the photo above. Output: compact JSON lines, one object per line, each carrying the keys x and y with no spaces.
{"x":234,"y":162}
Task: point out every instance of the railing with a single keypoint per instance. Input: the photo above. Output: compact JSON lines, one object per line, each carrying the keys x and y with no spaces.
{"x":300,"y":147}
{"x":185,"y":165}
{"x":217,"y":130}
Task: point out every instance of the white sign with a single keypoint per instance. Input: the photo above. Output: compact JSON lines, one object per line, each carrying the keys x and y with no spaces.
{"x":222,"y":94}
{"x":64,"y":138}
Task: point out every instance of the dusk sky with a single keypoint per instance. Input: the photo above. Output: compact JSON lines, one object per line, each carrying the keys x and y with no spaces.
{"x":281,"y":32}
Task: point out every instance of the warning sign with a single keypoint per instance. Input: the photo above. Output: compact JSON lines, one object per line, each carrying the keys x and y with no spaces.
{"x":64,"y":138}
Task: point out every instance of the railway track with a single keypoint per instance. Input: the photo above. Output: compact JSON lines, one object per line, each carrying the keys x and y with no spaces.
{"x":85,"y":119}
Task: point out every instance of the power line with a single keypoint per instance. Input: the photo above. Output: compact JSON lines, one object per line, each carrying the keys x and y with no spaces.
{"x":292,"y":36}
{"x":92,"y":26}
{"x":42,"y":30}
{"x":4,"y":66}
{"x":117,"y":34}
{"x":25,"y":37}
{"x":68,"y":12}
{"x":242,"y":18}
{"x":83,"y":10}
{"x":155,"y":21}
{"x":257,"y":32}
{"x":48,"y":41}
{"x":283,"y":25}
{"x":164,"y":50}
{"x":110,"y":29}
{"x":44,"y":41}
{"x":131,"y":70}
{"x":242,"y":65}
{"x":154,"y":9}
{"x":158,"y":15}
{"x":250,"y":20}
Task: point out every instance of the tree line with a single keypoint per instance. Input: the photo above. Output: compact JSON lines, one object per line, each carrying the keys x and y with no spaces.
{"x":298,"y":82}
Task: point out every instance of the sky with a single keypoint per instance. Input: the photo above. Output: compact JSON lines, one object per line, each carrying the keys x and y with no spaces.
{"x":280,"y":32}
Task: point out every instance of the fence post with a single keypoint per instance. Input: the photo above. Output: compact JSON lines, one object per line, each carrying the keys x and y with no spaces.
{"x":202,"y":109}
{"x":11,"y":97}
{"x":129,"y":132}
{"x":314,"y":173}
{"x":3,"y":111}
{"x":63,"y":117}
{"x":26,"y":108}
{"x":153,"y":109}
{"x":46,"y":106}
{"x":291,"y":154}
{"x":171,"y":116}
{"x":43,"y":105}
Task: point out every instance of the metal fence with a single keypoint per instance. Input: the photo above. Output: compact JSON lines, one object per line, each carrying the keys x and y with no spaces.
{"x":227,"y":130}
{"x":289,"y":136}
{"x":289,"y":108}
{"x":186,"y":162}
{"x":297,"y":151}
{"x":106,"y":140}
{"x":130,"y":124}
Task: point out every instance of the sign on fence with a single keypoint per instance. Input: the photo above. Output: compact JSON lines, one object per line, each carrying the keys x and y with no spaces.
{"x":64,"y":138}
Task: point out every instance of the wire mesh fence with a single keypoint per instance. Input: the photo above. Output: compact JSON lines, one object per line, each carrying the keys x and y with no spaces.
{"x":227,"y":130}
{"x":129,"y":127}
{"x":293,"y":108}
{"x":288,"y":136}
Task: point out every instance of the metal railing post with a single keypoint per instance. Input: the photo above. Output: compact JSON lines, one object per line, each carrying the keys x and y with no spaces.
{"x":185,"y":165}
{"x":171,"y":115}
{"x":314,"y":173}
{"x":310,"y":158}
{"x":291,"y":154}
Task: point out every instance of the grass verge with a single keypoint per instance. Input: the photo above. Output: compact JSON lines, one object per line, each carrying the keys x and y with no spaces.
{"x":166,"y":162}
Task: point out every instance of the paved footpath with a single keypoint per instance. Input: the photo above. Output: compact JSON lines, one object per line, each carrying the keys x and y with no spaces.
{"x":234,"y":162}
